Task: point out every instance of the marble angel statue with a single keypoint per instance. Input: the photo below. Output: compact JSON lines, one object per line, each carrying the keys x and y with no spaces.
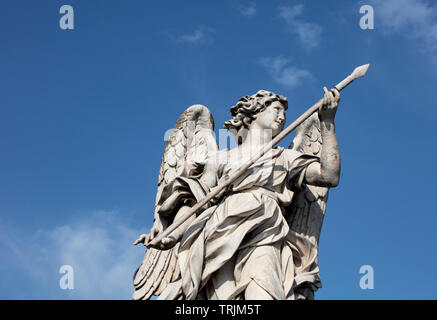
{"x":259,"y":238}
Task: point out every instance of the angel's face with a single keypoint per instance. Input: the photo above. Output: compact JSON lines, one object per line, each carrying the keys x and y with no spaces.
{"x":271,"y":118}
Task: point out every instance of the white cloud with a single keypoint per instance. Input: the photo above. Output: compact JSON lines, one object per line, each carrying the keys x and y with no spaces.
{"x":248,"y":10}
{"x":201,"y":35}
{"x":290,"y":13}
{"x":416,"y":19}
{"x":98,"y":247}
{"x":308,"y":33}
{"x":283,"y":73}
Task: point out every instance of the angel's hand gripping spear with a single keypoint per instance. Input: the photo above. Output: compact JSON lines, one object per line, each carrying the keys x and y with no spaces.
{"x":357,"y":73}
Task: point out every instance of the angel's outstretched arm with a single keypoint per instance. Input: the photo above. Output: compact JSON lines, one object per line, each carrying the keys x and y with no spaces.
{"x":326,"y":173}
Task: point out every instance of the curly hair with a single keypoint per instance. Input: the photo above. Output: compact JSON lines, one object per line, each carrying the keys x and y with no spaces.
{"x":247,"y":107}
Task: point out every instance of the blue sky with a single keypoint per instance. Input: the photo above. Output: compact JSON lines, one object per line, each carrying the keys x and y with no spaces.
{"x":83,"y":114}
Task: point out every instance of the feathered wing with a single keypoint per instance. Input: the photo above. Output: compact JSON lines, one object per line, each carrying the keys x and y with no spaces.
{"x":185,"y":153}
{"x":305,"y":214}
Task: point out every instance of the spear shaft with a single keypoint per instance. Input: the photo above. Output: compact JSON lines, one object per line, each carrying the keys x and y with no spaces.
{"x":357,"y":73}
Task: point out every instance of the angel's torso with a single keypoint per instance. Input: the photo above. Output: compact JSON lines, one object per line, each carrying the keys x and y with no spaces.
{"x":271,"y":172}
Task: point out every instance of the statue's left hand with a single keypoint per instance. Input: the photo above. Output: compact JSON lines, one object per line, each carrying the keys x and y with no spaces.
{"x":165,"y":244}
{"x":144,"y":239}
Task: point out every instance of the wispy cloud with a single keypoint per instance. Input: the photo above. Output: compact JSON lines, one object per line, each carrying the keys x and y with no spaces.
{"x":248,"y":10}
{"x":98,"y":247}
{"x":308,"y":33}
{"x":416,"y":19}
{"x":201,"y":35}
{"x":283,"y":73}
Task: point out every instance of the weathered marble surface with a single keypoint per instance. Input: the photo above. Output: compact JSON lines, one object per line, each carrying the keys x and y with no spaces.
{"x":259,"y":238}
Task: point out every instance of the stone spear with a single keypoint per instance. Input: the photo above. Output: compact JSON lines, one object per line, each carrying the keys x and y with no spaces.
{"x":357,"y":73}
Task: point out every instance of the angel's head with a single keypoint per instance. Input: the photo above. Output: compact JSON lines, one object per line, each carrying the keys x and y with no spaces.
{"x":264,"y":110}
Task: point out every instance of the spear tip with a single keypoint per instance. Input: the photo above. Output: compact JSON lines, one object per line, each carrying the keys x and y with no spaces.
{"x":360,"y":71}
